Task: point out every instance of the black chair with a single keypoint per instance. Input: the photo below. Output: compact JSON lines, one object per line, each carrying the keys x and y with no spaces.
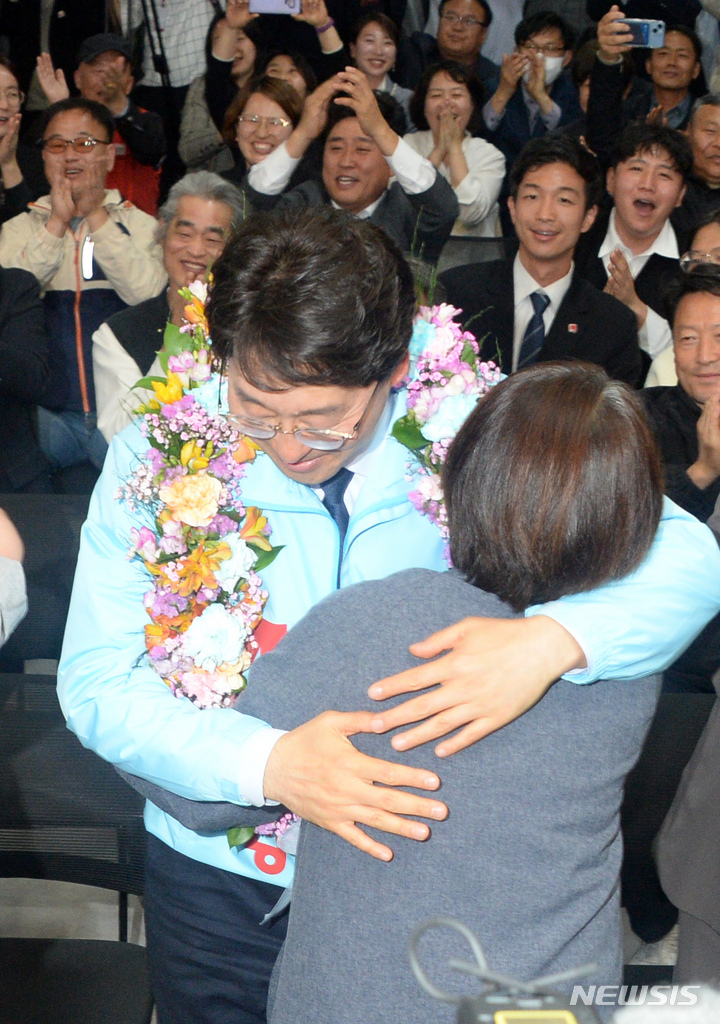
{"x":460,"y":250}
{"x":65,"y":814}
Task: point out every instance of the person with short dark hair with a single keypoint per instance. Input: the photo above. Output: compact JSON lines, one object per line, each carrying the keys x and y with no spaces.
{"x":537,"y":306}
{"x":632,"y":250}
{"x":363,"y":148}
{"x":104,"y":74}
{"x":446,"y":108}
{"x":312,"y":312}
{"x":82,"y":241}
{"x":536,"y":94}
{"x":462,"y":30}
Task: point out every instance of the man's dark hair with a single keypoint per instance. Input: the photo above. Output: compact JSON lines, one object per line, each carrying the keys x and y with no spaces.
{"x":530,"y":520}
{"x":540,"y":22}
{"x":485,"y":6}
{"x":693,"y":37}
{"x":311,"y":297}
{"x":703,"y":279}
{"x":389,"y":108}
{"x":639,"y":137}
{"x":459,"y":73}
{"x":97,"y":111}
{"x":559,"y":149}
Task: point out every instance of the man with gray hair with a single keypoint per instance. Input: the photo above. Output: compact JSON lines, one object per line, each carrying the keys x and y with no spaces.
{"x":195,"y":223}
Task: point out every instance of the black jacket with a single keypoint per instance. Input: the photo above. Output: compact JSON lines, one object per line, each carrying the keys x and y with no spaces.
{"x":24,"y":377}
{"x":651,"y":283}
{"x":589,"y":324}
{"x":420,"y":224}
{"x":674,"y":416}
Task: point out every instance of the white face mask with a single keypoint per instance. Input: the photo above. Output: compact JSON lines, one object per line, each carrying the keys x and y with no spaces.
{"x":553,"y":67}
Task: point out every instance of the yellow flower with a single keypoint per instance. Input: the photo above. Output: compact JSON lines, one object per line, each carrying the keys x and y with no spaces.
{"x":252,"y":528}
{"x":170,"y":392}
{"x":192,"y":499}
{"x":192,"y":456}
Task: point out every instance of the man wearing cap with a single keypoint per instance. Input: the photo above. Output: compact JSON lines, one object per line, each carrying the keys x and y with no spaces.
{"x":104,"y":74}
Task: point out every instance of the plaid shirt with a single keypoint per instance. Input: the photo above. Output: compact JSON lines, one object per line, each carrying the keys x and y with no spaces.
{"x":183,"y":29}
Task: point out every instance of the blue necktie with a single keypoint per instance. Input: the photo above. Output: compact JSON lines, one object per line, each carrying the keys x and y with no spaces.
{"x":534,"y":336}
{"x":334,"y":491}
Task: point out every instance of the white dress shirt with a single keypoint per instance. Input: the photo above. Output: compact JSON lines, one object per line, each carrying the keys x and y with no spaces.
{"x":524,"y":285}
{"x":655,"y":334}
{"x":413,"y":172}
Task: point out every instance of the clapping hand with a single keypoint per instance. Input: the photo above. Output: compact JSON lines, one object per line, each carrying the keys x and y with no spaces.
{"x":9,"y":141}
{"x":512,"y":70}
{"x":620,"y":283}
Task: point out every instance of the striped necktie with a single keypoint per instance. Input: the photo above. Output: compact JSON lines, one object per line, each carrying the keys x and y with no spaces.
{"x":534,"y":337}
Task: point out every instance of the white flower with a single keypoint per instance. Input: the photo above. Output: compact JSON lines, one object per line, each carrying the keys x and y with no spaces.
{"x":236,"y":567}
{"x":449,"y":417}
{"x":215,"y":638}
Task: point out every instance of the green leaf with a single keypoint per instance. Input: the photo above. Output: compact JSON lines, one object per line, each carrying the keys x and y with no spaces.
{"x":240,"y":836}
{"x":147,"y":382}
{"x":468,"y":354}
{"x":174,"y":341}
{"x":265,"y":558}
{"x":407,"y":432}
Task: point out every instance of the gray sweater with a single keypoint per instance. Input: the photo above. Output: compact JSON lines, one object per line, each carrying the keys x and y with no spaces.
{"x":528,"y":858}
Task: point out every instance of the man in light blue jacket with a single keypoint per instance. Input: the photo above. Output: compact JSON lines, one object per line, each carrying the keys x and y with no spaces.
{"x":312,"y":313}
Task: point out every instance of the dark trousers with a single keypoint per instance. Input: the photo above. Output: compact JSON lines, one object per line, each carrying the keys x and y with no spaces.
{"x":210,"y":961}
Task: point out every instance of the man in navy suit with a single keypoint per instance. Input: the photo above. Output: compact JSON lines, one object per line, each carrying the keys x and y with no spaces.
{"x":535,"y":307}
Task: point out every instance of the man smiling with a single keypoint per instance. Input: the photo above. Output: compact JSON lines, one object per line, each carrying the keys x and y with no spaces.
{"x":536,"y":307}
{"x":80,"y":239}
{"x":363,"y":149}
{"x":632,"y":251}
{"x":312,"y":314}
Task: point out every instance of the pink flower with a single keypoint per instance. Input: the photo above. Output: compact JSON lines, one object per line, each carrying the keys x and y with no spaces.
{"x":143,"y":544}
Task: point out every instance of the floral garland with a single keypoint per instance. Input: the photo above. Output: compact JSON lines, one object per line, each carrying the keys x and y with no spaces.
{"x":445,"y":381}
{"x":203,"y":549}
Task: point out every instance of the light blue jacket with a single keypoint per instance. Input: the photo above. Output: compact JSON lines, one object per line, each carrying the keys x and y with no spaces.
{"x":119,"y":706}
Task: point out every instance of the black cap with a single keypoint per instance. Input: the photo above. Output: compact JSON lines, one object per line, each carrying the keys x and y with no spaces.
{"x":102,"y":43}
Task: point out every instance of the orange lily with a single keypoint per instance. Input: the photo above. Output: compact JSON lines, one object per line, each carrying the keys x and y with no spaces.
{"x":252,"y":528}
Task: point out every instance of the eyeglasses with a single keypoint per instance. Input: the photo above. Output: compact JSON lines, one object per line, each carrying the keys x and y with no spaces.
{"x":253,"y":121}
{"x":547,"y":51}
{"x":694,"y":258}
{"x":455,"y":19}
{"x":13,"y":96}
{"x":322,"y":440}
{"x":82,"y":144}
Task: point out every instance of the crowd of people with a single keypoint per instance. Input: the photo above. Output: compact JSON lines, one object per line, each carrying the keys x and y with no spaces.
{"x":319,"y":168}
